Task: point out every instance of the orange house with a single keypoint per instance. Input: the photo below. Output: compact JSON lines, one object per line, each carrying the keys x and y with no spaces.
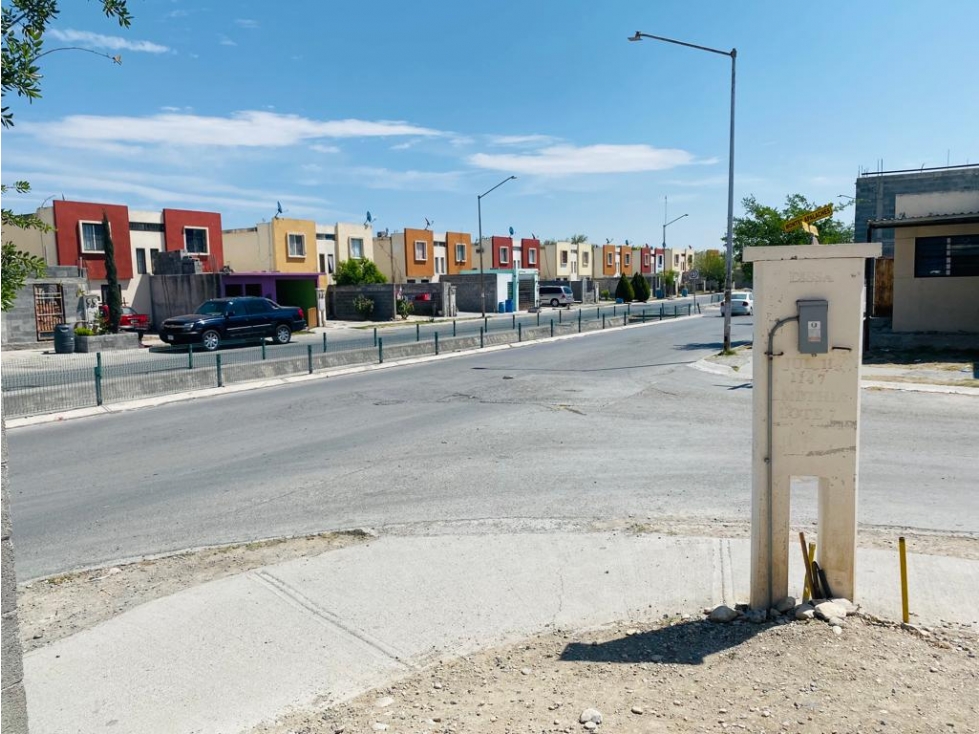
{"x":419,"y":254}
{"x":459,"y":252}
{"x":626,"y":260}
{"x":610,"y":267}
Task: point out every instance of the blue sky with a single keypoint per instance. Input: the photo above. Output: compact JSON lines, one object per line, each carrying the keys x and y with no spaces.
{"x":410,"y":110}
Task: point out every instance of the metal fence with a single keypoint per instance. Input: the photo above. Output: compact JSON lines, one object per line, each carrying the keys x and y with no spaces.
{"x":34,"y":384}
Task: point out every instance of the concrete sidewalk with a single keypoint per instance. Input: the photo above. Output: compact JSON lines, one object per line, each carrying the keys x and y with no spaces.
{"x":227,"y":655}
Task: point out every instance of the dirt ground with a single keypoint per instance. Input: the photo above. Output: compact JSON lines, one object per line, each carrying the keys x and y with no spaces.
{"x":684,"y":676}
{"x":672,"y":675}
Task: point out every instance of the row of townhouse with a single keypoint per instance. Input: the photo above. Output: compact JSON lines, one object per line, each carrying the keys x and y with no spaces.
{"x":422,"y":256}
{"x":293,"y":260}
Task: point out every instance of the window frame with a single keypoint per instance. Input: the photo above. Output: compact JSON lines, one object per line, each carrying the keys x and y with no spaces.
{"x":141,"y":261}
{"x":424,"y":251}
{"x":564,"y":258}
{"x":608,"y":259}
{"x":461,"y":247}
{"x":81,"y":237}
{"x":207,"y":240}
{"x":504,"y":255}
{"x":350,"y":247}
{"x":289,"y":249}
{"x":950,"y":261}
{"x":627,"y":260}
{"x":584,"y":258}
{"x":531,"y":255}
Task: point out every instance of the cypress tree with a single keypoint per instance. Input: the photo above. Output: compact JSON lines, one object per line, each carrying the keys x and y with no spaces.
{"x":114,"y":299}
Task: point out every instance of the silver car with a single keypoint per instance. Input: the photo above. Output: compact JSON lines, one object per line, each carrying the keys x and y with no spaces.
{"x":742,"y":304}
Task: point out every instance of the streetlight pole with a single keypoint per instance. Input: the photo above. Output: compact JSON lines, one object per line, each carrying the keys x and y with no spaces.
{"x":665,"y":225}
{"x":733,"y":53}
{"x":479,"y":214}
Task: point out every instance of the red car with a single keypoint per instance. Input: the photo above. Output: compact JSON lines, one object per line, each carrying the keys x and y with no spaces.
{"x":130,"y":320}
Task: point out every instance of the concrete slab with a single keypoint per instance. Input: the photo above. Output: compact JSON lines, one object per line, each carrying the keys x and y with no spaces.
{"x":229,"y":654}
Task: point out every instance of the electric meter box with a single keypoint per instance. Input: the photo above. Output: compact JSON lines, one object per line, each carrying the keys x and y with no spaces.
{"x":812,"y":326}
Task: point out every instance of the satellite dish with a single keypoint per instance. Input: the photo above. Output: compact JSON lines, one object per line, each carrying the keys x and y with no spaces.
{"x":369,"y":218}
{"x":511,"y":231}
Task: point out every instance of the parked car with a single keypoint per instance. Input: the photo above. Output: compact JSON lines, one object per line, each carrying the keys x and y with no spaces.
{"x":130,"y":319}
{"x":223,"y":320}
{"x":742,"y":303}
{"x":556,"y":295}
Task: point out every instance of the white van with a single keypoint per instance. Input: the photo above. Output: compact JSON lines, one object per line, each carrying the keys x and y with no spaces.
{"x":556,"y":295}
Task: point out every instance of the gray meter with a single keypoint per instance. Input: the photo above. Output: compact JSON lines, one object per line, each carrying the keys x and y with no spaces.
{"x":812,"y":326}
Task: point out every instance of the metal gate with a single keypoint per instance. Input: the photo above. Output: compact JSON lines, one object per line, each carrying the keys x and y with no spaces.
{"x":49,"y":309}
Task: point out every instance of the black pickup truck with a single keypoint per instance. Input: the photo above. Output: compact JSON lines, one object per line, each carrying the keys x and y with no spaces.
{"x":242,"y":319}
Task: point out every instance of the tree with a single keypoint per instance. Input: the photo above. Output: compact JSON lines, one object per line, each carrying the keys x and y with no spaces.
{"x":669,"y":281}
{"x":114,"y":298}
{"x":624,"y":290}
{"x":763,"y":225}
{"x":548,"y":243}
{"x":711,"y":266}
{"x":359,"y":272}
{"x":578,"y":239}
{"x":640,"y":287}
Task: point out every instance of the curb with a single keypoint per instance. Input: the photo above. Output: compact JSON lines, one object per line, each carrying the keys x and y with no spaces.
{"x":705,"y":365}
{"x":210,"y":392}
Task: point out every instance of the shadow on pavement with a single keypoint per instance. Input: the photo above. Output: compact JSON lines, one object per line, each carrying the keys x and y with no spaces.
{"x":686,"y":643}
{"x":713,"y":346}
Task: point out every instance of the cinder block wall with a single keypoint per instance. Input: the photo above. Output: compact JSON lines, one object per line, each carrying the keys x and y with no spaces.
{"x":19,"y":325}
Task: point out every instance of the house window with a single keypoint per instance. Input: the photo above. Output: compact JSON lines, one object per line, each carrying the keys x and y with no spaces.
{"x":357,"y":248}
{"x":659,"y":262}
{"x":584,"y":259}
{"x":504,"y":255}
{"x":146,"y":227}
{"x":946,"y":257}
{"x":141,"y":261}
{"x":154,"y":251}
{"x":628,"y":259}
{"x":460,"y":252}
{"x":195,"y":239}
{"x":330,"y":267}
{"x":564,"y":258}
{"x":421,"y":251}
{"x":532,"y":256}
{"x":297,"y":245}
{"x":645,"y":259}
{"x":608,"y":259}
{"x":92,"y":236}
{"x":676,"y":261}
{"x":322,"y":263}
{"x":440,"y":265}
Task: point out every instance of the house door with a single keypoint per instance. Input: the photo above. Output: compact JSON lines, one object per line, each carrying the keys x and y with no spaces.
{"x":49,"y":309}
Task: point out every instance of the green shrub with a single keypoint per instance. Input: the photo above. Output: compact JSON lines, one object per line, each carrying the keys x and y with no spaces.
{"x":605,"y":295}
{"x":405,"y":308}
{"x":624,"y":290}
{"x":364,"y":305}
{"x":640,"y":287}
{"x":83,"y":331}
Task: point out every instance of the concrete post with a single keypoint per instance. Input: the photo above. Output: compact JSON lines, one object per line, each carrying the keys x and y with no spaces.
{"x":13,"y":706}
{"x":814,"y":401}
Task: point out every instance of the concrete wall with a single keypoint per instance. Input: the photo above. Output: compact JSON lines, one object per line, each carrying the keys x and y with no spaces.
{"x":939,"y":304}
{"x":249,"y":250}
{"x":174,"y":295}
{"x":876,"y":196}
{"x":468,"y":290}
{"x":341,"y":302}
{"x":19,"y":324}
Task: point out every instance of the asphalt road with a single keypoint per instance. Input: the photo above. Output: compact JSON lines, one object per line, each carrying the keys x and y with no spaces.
{"x":608,"y":425}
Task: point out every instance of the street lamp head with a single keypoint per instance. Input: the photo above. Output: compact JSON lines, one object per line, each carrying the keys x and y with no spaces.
{"x":637,"y":37}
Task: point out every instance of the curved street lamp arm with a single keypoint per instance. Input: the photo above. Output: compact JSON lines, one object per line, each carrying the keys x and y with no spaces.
{"x":509,"y":178}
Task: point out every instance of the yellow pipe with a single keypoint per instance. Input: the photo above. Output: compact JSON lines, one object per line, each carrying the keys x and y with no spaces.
{"x":806,"y":591}
{"x":904,"y":579}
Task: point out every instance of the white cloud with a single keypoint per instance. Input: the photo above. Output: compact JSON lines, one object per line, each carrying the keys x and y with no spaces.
{"x":518,"y":140}
{"x":251,"y":128}
{"x":384,"y":178}
{"x":246,"y":23}
{"x":320,"y":148}
{"x":561,"y":160}
{"x":112,"y":43}
{"x":225,"y":41}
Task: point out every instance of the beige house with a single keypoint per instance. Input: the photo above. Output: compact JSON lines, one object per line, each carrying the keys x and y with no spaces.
{"x":936,"y":262}
{"x":336,"y":243}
